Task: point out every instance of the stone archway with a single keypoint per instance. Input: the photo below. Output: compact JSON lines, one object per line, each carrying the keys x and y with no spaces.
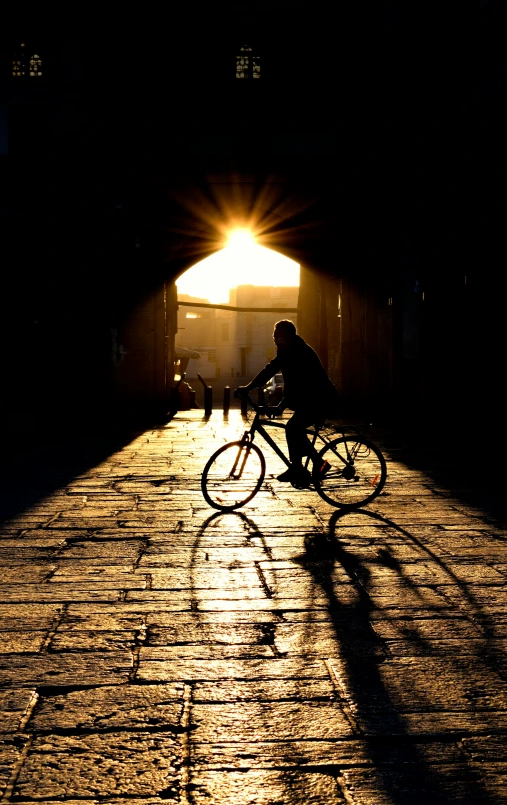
{"x":342,"y":308}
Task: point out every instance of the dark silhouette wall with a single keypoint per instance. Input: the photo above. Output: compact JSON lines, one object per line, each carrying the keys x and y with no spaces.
{"x":370,"y":150}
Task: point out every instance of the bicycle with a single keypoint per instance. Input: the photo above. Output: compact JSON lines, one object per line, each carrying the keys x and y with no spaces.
{"x":356,"y":468}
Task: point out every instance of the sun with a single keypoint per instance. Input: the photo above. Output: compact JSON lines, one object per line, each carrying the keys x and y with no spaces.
{"x":240,"y":240}
{"x":241,"y":262}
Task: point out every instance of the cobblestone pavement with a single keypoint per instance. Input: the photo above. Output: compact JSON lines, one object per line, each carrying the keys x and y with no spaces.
{"x":155,"y":649}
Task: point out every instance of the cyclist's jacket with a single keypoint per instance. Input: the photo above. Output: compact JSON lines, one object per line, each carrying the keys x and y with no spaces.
{"x":306,"y":384}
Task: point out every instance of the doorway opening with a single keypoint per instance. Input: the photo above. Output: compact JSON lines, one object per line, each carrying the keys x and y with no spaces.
{"x":228,"y":304}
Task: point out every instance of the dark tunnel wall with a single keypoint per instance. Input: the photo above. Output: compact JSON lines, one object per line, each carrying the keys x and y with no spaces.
{"x":377,"y":168}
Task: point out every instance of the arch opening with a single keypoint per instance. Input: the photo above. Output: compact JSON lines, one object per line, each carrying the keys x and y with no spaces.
{"x":228,"y":304}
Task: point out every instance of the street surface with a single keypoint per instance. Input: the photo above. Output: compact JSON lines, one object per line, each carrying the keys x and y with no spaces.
{"x":154,"y":649}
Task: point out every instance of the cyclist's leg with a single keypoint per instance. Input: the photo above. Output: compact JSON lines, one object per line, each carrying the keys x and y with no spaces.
{"x":298,"y":443}
{"x":299,"y":446}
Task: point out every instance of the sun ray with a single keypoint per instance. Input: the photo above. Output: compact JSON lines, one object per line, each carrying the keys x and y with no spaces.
{"x":200,"y":219}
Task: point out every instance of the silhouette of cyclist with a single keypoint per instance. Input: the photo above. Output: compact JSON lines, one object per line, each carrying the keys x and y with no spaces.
{"x":307,"y":391}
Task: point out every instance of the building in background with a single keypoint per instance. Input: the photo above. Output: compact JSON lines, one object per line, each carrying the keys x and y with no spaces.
{"x":197,"y":332}
{"x":254,"y":333}
{"x":233,"y":344}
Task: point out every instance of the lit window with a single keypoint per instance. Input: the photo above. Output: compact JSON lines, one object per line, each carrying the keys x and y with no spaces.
{"x":35,"y":66}
{"x":247,"y":64}
{"x":19,"y":62}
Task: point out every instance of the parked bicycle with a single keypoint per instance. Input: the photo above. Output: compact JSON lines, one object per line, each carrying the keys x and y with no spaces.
{"x":355,"y":471}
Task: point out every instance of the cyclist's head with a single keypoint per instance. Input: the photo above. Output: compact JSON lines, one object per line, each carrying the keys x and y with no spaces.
{"x":284,"y":332}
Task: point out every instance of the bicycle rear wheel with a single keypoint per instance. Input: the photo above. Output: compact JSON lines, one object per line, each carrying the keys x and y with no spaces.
{"x":233,"y":475}
{"x":356,"y":475}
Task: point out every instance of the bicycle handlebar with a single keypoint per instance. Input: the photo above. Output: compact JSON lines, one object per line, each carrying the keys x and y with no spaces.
{"x":277,"y":411}
{"x":259,"y":409}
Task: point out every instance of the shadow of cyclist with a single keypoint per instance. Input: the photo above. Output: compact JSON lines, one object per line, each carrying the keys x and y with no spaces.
{"x":400,"y":761}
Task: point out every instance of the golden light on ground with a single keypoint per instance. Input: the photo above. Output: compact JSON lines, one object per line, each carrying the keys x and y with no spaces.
{"x":242,"y":262}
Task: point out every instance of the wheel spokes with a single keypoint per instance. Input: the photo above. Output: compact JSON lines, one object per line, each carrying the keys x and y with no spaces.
{"x":357,"y":471}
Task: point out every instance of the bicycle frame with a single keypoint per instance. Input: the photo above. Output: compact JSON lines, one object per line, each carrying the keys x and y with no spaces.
{"x":258,"y":426}
{"x":351,"y":471}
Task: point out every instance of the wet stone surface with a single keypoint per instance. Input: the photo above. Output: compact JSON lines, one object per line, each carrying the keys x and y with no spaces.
{"x":155,"y":649}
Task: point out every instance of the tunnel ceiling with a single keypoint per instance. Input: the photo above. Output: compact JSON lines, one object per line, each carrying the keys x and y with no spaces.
{"x":354,"y":141}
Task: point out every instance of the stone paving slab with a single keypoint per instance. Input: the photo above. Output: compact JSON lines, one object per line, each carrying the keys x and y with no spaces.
{"x":71,"y":669}
{"x":271,"y":668}
{"x":114,"y":764}
{"x":154,"y":649}
{"x":109,"y":708}
{"x":265,"y":787}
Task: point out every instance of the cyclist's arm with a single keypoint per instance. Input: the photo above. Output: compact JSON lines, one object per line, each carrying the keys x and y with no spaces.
{"x":262,"y":377}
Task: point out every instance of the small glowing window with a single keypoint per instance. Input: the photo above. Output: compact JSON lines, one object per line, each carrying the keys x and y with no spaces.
{"x":35,"y":66}
{"x":248,"y":65}
{"x":19,"y":62}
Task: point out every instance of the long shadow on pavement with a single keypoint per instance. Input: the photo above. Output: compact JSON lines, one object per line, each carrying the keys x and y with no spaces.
{"x":403,"y":772}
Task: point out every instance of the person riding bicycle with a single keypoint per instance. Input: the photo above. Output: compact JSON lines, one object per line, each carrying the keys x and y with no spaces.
{"x":308,"y":392}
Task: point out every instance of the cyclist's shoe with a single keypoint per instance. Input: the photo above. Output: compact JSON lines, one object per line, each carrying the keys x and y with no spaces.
{"x":301,"y":478}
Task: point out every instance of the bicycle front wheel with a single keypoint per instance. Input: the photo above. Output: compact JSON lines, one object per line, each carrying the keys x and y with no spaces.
{"x":233,"y":475}
{"x":356,"y":473}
